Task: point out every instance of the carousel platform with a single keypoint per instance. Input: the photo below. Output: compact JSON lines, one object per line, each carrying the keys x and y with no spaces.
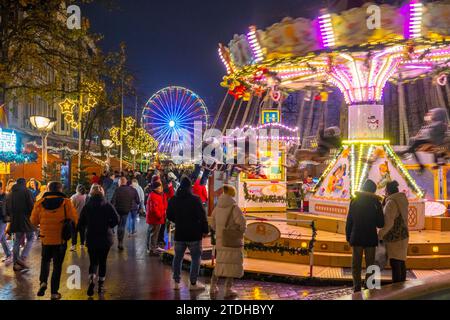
{"x":428,"y":253}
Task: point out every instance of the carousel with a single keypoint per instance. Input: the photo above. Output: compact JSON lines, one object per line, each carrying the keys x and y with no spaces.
{"x":357,"y":51}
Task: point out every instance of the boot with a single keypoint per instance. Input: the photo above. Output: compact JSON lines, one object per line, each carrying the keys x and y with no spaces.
{"x":101,"y":286}
{"x":229,"y":292}
{"x":214,"y":289}
{"x":90,"y":291}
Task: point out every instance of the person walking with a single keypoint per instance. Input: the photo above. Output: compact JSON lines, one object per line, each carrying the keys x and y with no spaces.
{"x":125,"y":200}
{"x":364,"y":217}
{"x":18,"y":207}
{"x":200,"y":191}
{"x":98,"y":217}
{"x":109,"y":186}
{"x":3,"y":224}
{"x":50,"y":213}
{"x":78,"y":201}
{"x":185,"y":210}
{"x":156,"y":216}
{"x":141,"y":208}
{"x":229,"y":261}
{"x":395,"y":234}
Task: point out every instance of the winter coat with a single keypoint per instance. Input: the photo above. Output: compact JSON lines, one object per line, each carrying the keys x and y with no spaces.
{"x":156,"y":208}
{"x":229,"y":261}
{"x":396,"y":204}
{"x":19,"y":204}
{"x":109,"y":186}
{"x":49,"y":213}
{"x":200,"y":191}
{"x":125,"y":199}
{"x":364,"y":217}
{"x":3,"y":217}
{"x":99,"y":217}
{"x":78,"y":201}
{"x":140,"y":192}
{"x":186,"y":211}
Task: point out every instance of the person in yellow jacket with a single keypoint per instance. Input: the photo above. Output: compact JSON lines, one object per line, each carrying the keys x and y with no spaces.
{"x":50,"y":213}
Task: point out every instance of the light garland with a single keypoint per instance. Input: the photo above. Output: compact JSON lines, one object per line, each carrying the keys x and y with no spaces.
{"x":329,"y":168}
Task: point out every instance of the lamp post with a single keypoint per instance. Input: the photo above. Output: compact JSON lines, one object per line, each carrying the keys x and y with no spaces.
{"x":108,"y":144}
{"x":44,"y":125}
{"x":134,"y":153}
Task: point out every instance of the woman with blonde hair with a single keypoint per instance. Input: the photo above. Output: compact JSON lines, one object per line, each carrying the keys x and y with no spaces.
{"x":228,"y":216}
{"x":98,"y":217}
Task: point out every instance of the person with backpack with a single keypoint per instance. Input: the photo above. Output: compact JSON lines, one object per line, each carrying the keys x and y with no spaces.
{"x":395,"y":234}
{"x":365,"y":215}
{"x":98,"y":217}
{"x":185,"y":210}
{"x":53,"y":213}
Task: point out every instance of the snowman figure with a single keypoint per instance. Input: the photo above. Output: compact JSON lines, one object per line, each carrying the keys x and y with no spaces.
{"x":373,"y":123}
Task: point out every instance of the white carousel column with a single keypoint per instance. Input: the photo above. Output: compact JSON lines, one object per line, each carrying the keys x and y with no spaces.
{"x":366,"y":122}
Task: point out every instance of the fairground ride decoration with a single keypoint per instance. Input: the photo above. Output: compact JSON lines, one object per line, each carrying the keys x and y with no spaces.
{"x":358,"y":51}
{"x":170,"y":114}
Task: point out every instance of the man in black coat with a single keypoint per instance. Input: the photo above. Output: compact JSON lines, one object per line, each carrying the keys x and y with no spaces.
{"x":364,"y":217}
{"x":191,"y":225}
{"x":18,"y":206}
{"x":125,"y":200}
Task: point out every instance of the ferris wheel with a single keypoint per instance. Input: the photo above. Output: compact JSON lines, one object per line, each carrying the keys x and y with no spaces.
{"x":170,"y":114}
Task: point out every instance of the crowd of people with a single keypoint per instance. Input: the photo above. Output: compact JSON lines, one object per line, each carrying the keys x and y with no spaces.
{"x":109,"y":208}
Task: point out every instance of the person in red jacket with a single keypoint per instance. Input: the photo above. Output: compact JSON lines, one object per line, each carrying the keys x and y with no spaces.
{"x":200,"y":191}
{"x":156,"y":216}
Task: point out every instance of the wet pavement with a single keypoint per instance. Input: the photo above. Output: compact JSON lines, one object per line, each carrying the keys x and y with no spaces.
{"x":134,"y":275}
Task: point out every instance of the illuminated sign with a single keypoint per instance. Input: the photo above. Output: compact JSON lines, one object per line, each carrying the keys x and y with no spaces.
{"x":8,"y":141}
{"x":5,"y":168}
{"x":270,"y":116}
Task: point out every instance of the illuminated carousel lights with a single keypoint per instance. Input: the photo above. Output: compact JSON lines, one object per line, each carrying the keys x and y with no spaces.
{"x":352,"y":171}
{"x":405,"y":172}
{"x":359,"y":165}
{"x":254,"y":45}
{"x":328,"y":169}
{"x":225,"y":63}
{"x":326,"y":31}
{"x":366,"y":167}
{"x":415,"y":20}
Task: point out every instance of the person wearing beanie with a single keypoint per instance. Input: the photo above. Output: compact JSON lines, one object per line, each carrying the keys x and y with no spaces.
{"x":365,"y":215}
{"x":395,"y":234}
{"x":156,"y":216}
{"x":186,"y":211}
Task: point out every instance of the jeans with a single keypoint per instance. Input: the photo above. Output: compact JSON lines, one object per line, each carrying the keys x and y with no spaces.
{"x":398,"y":270}
{"x":82,"y":231}
{"x":152,"y":236}
{"x":162,"y":233}
{"x":131,"y":221}
{"x":3,"y":242}
{"x":18,"y":238}
{"x":195,"y":248}
{"x":369,"y":253}
{"x":121,"y":227}
{"x":97,"y":259}
{"x":57,"y":254}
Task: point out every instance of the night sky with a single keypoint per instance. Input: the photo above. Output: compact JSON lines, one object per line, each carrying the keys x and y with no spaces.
{"x":174,"y":42}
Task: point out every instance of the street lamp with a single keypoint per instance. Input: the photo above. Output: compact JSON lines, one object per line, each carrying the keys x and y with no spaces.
{"x":134,"y":153}
{"x":44,"y":125}
{"x":108,"y":144}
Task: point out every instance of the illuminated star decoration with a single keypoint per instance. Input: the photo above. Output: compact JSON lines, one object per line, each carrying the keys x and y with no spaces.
{"x":67,"y":108}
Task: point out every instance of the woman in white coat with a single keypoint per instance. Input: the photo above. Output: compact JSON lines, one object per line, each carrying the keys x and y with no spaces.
{"x":229,"y":261}
{"x":395,"y":232}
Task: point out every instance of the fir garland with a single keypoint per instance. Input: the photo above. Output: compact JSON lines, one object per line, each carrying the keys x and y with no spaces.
{"x":11,"y":157}
{"x":254,"y":246}
{"x":263,"y":198}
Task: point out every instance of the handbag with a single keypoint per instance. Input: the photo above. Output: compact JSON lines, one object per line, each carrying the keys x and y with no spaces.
{"x":67,"y":228}
{"x":399,"y":231}
{"x":231,"y":235}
